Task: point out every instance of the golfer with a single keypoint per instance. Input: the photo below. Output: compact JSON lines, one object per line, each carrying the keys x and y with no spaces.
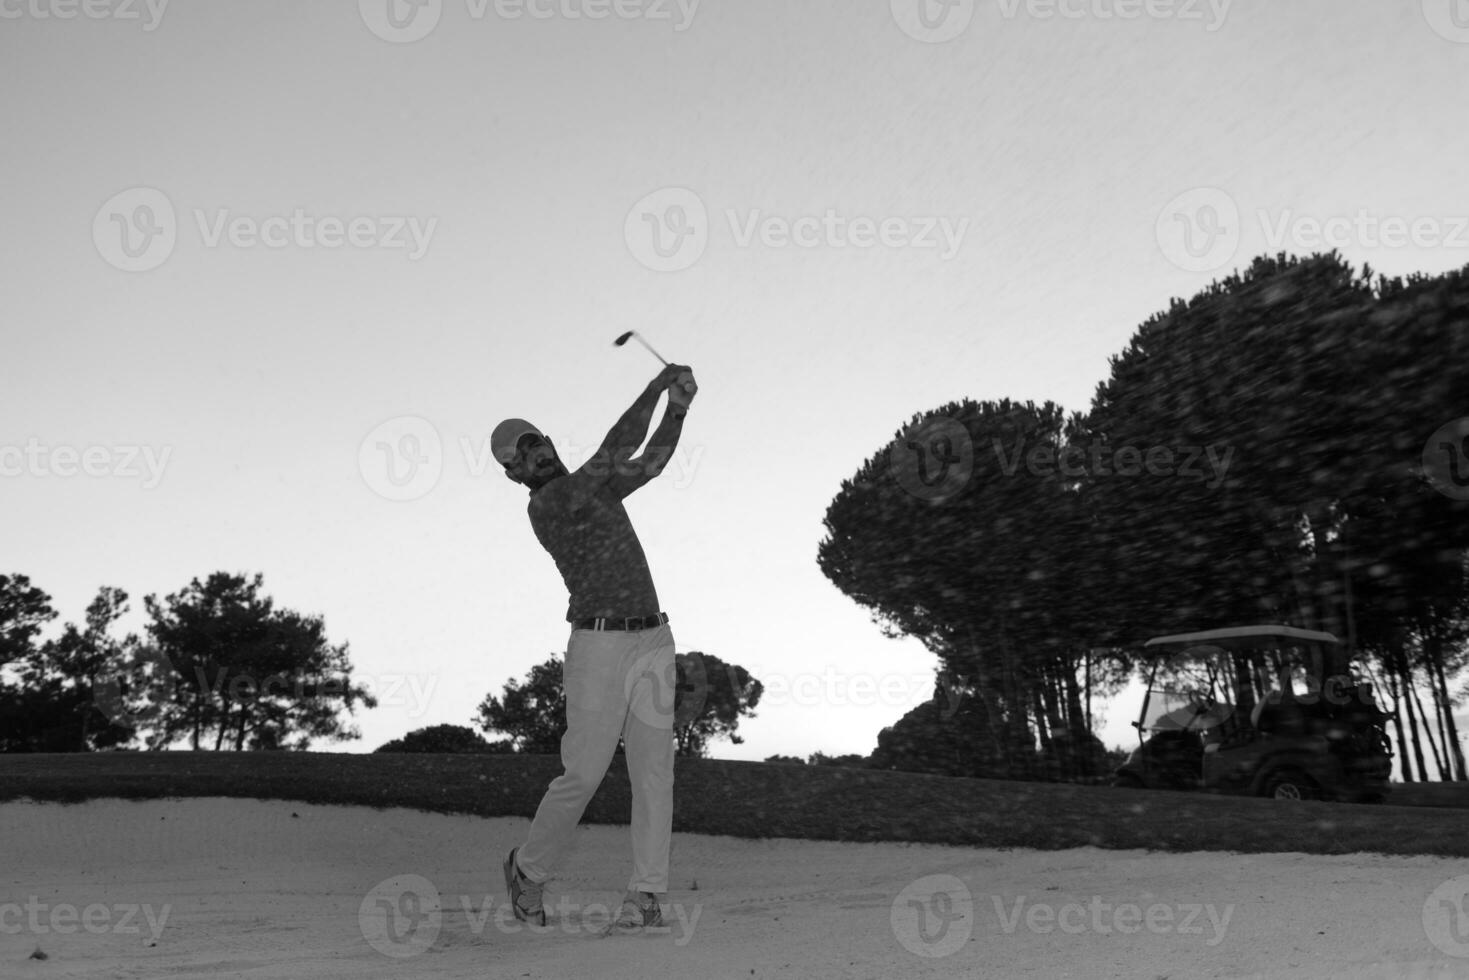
{"x":619,"y":668}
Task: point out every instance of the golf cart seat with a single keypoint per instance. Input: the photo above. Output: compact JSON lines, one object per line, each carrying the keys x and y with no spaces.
{"x":1229,"y":731}
{"x":1273,"y":716}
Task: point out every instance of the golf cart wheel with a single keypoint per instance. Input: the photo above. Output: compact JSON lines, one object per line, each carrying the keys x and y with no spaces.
{"x":1290,"y":785}
{"x":1127,"y":780}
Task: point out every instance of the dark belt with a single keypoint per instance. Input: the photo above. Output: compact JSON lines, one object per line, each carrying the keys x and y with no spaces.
{"x":631,"y":623}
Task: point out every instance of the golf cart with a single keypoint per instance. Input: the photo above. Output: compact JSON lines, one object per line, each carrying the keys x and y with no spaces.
{"x":1258,"y":711}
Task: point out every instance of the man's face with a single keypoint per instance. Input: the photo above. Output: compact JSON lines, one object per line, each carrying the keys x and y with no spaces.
{"x":535,"y":462}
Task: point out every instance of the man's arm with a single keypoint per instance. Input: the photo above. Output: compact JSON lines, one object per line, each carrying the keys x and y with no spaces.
{"x":648,"y":464}
{"x":628,"y":473}
{"x":627,"y":434}
{"x":614,"y":461}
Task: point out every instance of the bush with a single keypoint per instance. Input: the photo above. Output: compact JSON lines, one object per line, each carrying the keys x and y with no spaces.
{"x":1068,"y":759}
{"x":446,"y":739}
{"x":940,"y":740}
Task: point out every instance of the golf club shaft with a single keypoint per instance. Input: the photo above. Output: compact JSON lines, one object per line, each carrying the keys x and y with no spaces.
{"x":650,"y":348}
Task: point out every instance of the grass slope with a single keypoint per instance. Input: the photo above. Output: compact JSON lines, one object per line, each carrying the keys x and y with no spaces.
{"x":755,"y":800}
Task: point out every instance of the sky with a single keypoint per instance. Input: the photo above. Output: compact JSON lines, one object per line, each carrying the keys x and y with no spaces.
{"x":272,"y":272}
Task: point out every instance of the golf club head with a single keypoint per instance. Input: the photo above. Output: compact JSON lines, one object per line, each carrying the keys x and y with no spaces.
{"x":623,"y":339}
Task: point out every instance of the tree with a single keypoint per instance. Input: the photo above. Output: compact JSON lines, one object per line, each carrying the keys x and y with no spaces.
{"x":24,"y":609}
{"x":710,"y":698}
{"x":53,"y":707}
{"x":78,"y":666}
{"x":971,"y":532}
{"x":41,"y":718}
{"x":1257,"y":378}
{"x":1323,"y":387}
{"x":249,"y":674}
{"x":533,"y":713}
{"x":1420,"y":347}
{"x":445,"y":739}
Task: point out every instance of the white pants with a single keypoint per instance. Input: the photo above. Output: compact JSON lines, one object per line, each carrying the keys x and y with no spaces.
{"x":617,"y":683}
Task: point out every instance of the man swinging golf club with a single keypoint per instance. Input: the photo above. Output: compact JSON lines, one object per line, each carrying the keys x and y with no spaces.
{"x":619,"y":666}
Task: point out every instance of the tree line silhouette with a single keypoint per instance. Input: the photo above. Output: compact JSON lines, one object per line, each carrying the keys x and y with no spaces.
{"x":221,"y":667}
{"x":1032,"y":550}
{"x":709,"y":697}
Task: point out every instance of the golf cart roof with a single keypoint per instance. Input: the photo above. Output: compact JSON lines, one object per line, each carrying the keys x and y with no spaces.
{"x":1243,"y":633}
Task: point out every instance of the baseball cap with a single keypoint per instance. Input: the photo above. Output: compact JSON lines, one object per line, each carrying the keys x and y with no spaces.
{"x":507,"y":435}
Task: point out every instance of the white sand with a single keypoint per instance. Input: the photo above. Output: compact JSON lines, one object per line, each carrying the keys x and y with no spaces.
{"x":263,"y":889}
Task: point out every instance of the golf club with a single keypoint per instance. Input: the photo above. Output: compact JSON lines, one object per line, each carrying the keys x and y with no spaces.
{"x":633,"y":333}
{"x":687,"y":385}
